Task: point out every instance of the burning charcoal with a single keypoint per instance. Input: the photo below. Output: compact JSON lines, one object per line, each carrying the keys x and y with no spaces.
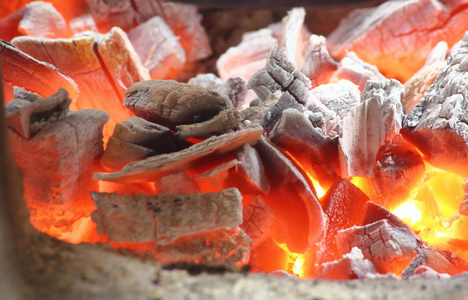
{"x":344,"y":206}
{"x":20,"y":69}
{"x":389,"y":248}
{"x":317,"y":153}
{"x":351,"y":266}
{"x":158,"y":48}
{"x":366,"y":128}
{"x":322,"y":117}
{"x":107,"y":75}
{"x":164,"y":218}
{"x":176,"y":183}
{"x":444,"y":262}
{"x":402,"y":50}
{"x":29,"y":113}
{"x":156,"y":166}
{"x":438,"y":123}
{"x":234,"y":88}
{"x":293,"y":38}
{"x":171,"y":103}
{"x":108,"y":14}
{"x":75,"y":138}
{"x":463,"y":209}
{"x":82,"y":23}
{"x":248,"y":57}
{"x":41,"y":19}
{"x":251,"y":169}
{"x":279,"y":74}
{"x":226,"y":247}
{"x":357,"y":71}
{"x":135,"y":139}
{"x":374,"y":212}
{"x":318,"y":65}
{"x":290,"y":194}
{"x":286,"y":101}
{"x":215,"y":179}
{"x":9,"y":25}
{"x":424,"y":272}
{"x":258,"y":220}
{"x":339,"y":97}
{"x":417,"y":85}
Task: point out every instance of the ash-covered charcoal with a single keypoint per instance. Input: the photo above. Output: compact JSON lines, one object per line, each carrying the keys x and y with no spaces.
{"x":294,"y":37}
{"x":374,"y":213}
{"x":353,"y":265}
{"x":75,"y":138}
{"x":389,"y":248}
{"x":158,"y":48}
{"x":135,"y":139}
{"x":366,"y":128}
{"x":417,"y":85}
{"x":290,"y":193}
{"x":286,"y":101}
{"x":172,"y":103}
{"x":176,"y":183}
{"x":41,"y":19}
{"x":108,"y":14}
{"x":344,"y":206}
{"x":279,"y":74}
{"x":354,"y":69}
{"x":318,"y":65}
{"x":424,"y":272}
{"x":82,"y":23}
{"x":233,"y":88}
{"x":245,"y":59}
{"x":444,"y":262}
{"x":258,"y":221}
{"x":340,"y":97}
{"x":317,"y":152}
{"x":399,"y":51}
{"x":154,"y":167}
{"x":322,"y":117}
{"x":28,"y":113}
{"x":164,"y":218}
{"x":227,"y":247}
{"x":438,"y":124}
{"x":215,"y":179}
{"x":9,"y":25}
{"x":20,"y":69}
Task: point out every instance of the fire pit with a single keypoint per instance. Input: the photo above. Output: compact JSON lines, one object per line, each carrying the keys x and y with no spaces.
{"x":309,"y":157}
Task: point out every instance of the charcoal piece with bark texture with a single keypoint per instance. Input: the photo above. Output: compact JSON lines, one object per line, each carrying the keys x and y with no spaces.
{"x":258,"y":220}
{"x":366,"y":128}
{"x":22,"y":70}
{"x":233,"y":88}
{"x":279,"y":74}
{"x":439,"y":261}
{"x":438,"y":124}
{"x":158,"y":48}
{"x":354,"y":69}
{"x":399,"y":51}
{"x":317,"y":153}
{"x":344,"y":206}
{"x":135,"y":139}
{"x":172,"y":103}
{"x":318,"y":65}
{"x":417,"y":85}
{"x":389,"y":248}
{"x":291,"y":193}
{"x":41,"y":19}
{"x":29,"y":113}
{"x":154,"y":167}
{"x":59,"y":159}
{"x":351,"y":266}
{"x":164,"y":218}
{"x":251,"y":169}
{"x":226,"y":247}
{"x":339,"y":97}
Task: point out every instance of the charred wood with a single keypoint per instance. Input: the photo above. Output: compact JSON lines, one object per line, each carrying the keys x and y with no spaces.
{"x":164,"y":218}
{"x":339,"y":97}
{"x":318,"y":65}
{"x":353,"y":265}
{"x":374,"y":213}
{"x":41,"y":19}
{"x":176,"y":183}
{"x":215,"y":179}
{"x":251,"y":168}
{"x":294,"y":38}
{"x":258,"y":221}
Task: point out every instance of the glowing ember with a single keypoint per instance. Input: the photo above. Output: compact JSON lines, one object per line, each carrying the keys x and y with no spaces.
{"x":409,"y":212}
{"x":294,"y":263}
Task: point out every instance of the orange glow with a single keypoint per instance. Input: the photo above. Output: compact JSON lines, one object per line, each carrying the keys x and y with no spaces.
{"x":409,"y":212}
{"x":295,"y":262}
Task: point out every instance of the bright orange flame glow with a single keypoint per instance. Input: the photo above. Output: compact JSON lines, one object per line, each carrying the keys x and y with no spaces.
{"x":295,"y":263}
{"x":409,"y":212}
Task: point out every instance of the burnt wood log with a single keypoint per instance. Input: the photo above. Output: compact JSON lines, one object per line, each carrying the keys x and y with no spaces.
{"x":353,"y":265}
{"x":339,"y":97}
{"x":402,"y":49}
{"x":75,"y":138}
{"x":318,"y":65}
{"x":438,"y":124}
{"x":172,"y":103}
{"x":317,"y":153}
{"x":366,"y":128}
{"x":25,"y":71}
{"x":164,"y":218}
{"x":154,"y":167}
{"x":136,"y":139}
{"x":389,"y":248}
